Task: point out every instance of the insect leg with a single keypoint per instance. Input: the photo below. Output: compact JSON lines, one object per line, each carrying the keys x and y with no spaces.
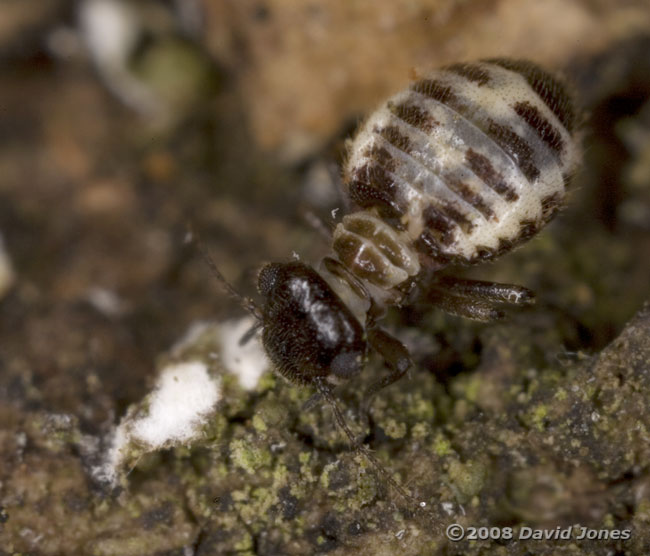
{"x":476,"y":299}
{"x":464,"y":307}
{"x":248,"y":335}
{"x":397,"y":358}
{"x":486,"y":291}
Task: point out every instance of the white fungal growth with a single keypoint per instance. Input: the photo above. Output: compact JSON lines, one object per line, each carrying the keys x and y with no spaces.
{"x":247,"y":362}
{"x":183,"y":396}
{"x":111,"y":30}
{"x":186,"y":394}
{"x":183,"y":399}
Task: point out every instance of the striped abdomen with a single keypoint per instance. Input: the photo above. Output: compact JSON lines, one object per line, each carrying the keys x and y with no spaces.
{"x":465,"y":164}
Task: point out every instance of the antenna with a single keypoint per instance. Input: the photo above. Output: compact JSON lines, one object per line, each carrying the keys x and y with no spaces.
{"x":246,"y":302}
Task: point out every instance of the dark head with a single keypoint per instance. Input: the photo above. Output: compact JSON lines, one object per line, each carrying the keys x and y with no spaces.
{"x":308,"y":333}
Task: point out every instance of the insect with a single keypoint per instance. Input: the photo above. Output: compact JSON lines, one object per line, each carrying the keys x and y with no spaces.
{"x":467,"y":163}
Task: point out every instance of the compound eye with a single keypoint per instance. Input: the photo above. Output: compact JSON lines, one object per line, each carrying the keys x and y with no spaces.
{"x":267,"y":279}
{"x":346,"y":365}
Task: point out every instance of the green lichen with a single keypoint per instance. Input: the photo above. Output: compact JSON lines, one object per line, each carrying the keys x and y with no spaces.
{"x":280,"y":474}
{"x":366,"y":491}
{"x":267,"y":381}
{"x":393,"y":429}
{"x":306,"y":467}
{"x":560,"y":394}
{"x":325,"y":475}
{"x":441,"y":446}
{"x":421,"y":409}
{"x":251,"y":458}
{"x":258,"y":423}
{"x":420,"y":431}
{"x":468,"y":478}
{"x":538,"y":416}
{"x":472,"y":388}
{"x":244,"y":545}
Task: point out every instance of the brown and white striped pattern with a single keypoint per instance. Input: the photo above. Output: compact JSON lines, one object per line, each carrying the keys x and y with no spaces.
{"x":468,"y":162}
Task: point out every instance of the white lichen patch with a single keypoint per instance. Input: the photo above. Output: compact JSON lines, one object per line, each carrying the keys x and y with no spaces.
{"x":183,"y":400}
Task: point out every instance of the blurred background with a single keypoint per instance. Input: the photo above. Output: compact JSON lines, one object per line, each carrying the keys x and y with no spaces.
{"x":125,"y":124}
